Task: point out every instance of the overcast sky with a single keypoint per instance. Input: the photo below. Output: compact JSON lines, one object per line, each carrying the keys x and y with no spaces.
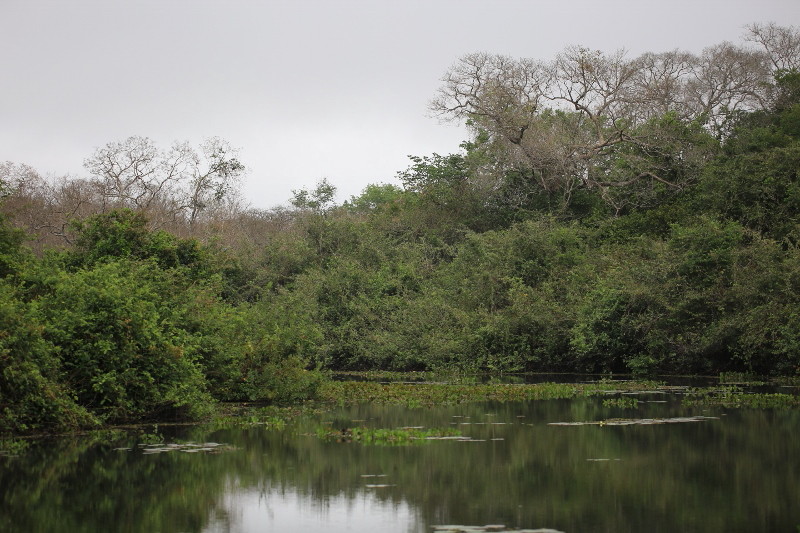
{"x":305,"y":89}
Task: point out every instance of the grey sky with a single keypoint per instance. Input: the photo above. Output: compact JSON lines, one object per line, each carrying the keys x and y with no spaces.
{"x":305,"y":89}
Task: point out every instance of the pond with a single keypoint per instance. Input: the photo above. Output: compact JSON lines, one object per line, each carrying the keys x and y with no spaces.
{"x":523,"y":465}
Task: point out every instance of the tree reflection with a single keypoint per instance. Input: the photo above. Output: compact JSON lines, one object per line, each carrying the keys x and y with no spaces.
{"x":732,"y":474}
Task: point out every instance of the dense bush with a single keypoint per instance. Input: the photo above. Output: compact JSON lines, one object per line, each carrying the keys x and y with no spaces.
{"x":122,"y":351}
{"x":31,"y":393}
{"x":132,"y":325}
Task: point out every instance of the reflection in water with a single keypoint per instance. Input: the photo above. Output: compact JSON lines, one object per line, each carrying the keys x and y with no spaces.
{"x":281,"y":510}
{"x":731,"y":470}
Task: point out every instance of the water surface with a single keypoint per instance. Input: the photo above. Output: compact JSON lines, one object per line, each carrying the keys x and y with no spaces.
{"x":734,"y":470}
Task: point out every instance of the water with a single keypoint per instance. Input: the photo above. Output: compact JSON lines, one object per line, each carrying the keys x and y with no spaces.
{"x":737,"y":470}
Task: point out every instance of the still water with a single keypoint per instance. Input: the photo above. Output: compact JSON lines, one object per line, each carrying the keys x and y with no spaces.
{"x":733,"y":470}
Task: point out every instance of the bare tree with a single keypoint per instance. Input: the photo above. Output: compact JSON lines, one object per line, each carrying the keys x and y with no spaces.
{"x":726,"y":79}
{"x":44,"y":206}
{"x":781,"y":43}
{"x":180,"y":182}
{"x":563,"y":121}
{"x":133,"y":173}
{"x":659,"y":84}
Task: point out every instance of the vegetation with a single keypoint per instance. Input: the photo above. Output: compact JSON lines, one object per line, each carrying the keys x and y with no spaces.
{"x":430,"y":394}
{"x":624,"y":403}
{"x":385,"y":437}
{"x":584,"y":227}
{"x":733,"y":396}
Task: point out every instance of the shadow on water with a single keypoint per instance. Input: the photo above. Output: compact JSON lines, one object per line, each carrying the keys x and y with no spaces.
{"x":731,"y":470}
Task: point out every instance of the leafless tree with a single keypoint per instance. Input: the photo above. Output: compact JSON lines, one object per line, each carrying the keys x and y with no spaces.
{"x":565,"y":119}
{"x":181,"y":182}
{"x":192,"y":193}
{"x":781,"y":43}
{"x":45,"y":206}
{"x":727,"y":79}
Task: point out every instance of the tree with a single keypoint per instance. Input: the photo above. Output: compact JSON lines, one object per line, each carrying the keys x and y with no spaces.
{"x":373,"y":197}
{"x":781,"y":43}
{"x":318,"y":200}
{"x":134,"y":173}
{"x":11,"y":252}
{"x":564,"y":122}
{"x":213,"y":182}
{"x":45,"y":206}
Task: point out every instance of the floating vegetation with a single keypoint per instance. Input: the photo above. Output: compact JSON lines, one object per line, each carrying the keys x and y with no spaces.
{"x":388,"y":437}
{"x":740,"y":378}
{"x":432,"y":394}
{"x":386,"y":375}
{"x":248,"y":416}
{"x":187,"y":447}
{"x":788,"y":381}
{"x":734,"y":396}
{"x":489,"y":528}
{"x":624,"y":402}
{"x":636,"y":421}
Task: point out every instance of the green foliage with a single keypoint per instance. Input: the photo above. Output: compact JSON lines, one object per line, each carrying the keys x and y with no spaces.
{"x":759,"y":188}
{"x":733,"y":396}
{"x":123,"y":234}
{"x":385,"y":437}
{"x":133,"y":325}
{"x":622,"y":402}
{"x":11,"y":252}
{"x":31,"y":394}
{"x":376,"y":197}
{"x":455,"y":191}
{"x":601,"y":332}
{"x":666,"y":161}
{"x":318,"y":200}
{"x":755,"y":181}
{"x":692,"y":267}
{"x":120,"y":351}
{"x":705,"y":249}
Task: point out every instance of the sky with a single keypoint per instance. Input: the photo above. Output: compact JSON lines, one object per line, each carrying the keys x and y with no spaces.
{"x":304,"y":89}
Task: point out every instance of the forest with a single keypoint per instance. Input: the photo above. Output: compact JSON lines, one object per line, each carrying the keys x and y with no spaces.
{"x":608,"y":214}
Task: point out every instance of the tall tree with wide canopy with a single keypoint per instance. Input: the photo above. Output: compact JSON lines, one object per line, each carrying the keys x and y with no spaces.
{"x":607,"y":122}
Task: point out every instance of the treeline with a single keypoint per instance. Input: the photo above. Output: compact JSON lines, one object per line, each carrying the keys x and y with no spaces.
{"x":633,"y":230}
{"x":444,"y":274}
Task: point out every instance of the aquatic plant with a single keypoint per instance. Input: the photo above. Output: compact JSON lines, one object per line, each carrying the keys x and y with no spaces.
{"x":732,"y":396}
{"x":430,"y":394}
{"x":623,"y":402}
{"x":740,"y":378}
{"x":386,"y":437}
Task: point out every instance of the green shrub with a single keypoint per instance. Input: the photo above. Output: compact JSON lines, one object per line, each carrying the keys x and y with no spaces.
{"x":31,"y":396}
{"x":121,"y":353}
